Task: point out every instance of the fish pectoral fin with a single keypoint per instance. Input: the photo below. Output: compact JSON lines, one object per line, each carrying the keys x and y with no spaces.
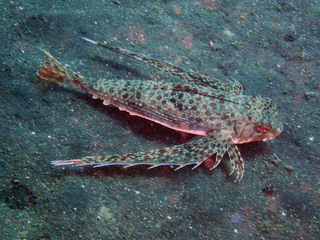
{"x":219,"y":156}
{"x":193,"y":152}
{"x":225,"y":143}
{"x":236,"y":161}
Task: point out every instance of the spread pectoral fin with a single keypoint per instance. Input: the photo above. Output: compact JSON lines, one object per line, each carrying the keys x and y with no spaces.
{"x":193,"y":152}
{"x":237,"y":163}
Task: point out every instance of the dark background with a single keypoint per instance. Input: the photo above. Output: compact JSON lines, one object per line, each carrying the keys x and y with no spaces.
{"x":271,"y":47}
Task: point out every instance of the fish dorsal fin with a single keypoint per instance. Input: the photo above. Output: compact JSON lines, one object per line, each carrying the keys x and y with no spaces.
{"x":168,"y":67}
{"x":237,"y":87}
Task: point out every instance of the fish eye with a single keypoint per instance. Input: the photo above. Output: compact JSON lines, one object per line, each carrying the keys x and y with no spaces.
{"x":263,"y":129}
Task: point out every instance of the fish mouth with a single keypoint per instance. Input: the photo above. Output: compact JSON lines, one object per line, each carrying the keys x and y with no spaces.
{"x":274,"y":133}
{"x":277,"y":131}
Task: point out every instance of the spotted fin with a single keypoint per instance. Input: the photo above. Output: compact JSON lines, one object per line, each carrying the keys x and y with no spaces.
{"x":192,"y":152}
{"x":168,"y":67}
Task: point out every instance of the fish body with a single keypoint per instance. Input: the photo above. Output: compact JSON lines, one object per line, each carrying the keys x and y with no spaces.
{"x":203,"y":106}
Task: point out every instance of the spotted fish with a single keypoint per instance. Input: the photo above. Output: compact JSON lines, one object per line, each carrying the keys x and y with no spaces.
{"x":220,"y":115}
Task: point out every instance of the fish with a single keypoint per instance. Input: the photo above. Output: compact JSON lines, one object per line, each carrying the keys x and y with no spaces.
{"x":221,"y":116}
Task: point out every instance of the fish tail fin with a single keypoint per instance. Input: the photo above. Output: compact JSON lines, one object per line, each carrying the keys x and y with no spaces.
{"x":54,"y":71}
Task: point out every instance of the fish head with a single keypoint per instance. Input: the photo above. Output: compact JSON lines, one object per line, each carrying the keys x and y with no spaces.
{"x":260,"y":122}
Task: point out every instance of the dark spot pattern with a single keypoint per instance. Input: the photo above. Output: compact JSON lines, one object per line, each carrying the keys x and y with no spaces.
{"x":204,"y":105}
